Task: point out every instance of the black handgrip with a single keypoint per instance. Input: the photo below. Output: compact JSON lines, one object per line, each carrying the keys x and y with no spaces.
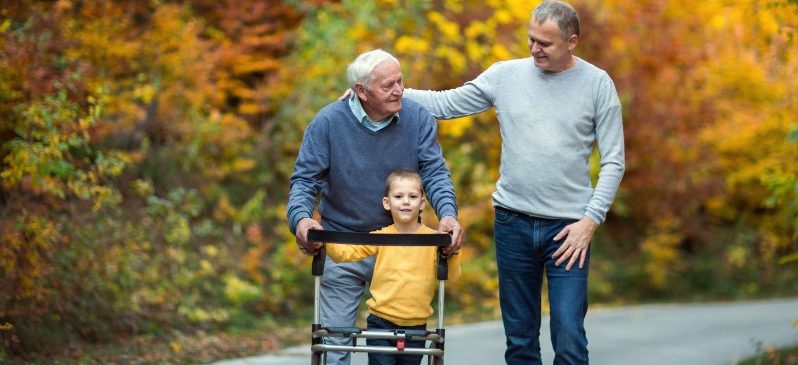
{"x":317,"y":268}
{"x":443,"y":265}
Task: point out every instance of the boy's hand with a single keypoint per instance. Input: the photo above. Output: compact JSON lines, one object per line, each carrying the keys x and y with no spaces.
{"x":302,"y":228}
{"x":450,"y":225}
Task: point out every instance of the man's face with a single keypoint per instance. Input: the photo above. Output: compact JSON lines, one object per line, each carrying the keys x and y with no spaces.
{"x":384,"y":96}
{"x":551,"y":52}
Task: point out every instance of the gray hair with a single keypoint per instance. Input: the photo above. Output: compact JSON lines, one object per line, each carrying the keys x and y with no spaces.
{"x":362,"y":68}
{"x":563,"y":14}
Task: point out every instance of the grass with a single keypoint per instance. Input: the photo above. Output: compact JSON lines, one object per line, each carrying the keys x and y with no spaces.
{"x":773,"y":356}
{"x":178,"y":348}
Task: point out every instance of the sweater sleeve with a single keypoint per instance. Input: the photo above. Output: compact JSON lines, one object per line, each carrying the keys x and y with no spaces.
{"x":473,"y":97}
{"x":609,"y":138}
{"x":349,"y":253}
{"x":454,"y":266}
{"x":434,"y":173}
{"x":312,"y":164}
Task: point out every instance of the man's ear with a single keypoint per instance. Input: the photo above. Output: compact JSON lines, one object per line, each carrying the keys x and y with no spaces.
{"x":386,"y":203}
{"x":360,"y":90}
{"x":573,"y":40}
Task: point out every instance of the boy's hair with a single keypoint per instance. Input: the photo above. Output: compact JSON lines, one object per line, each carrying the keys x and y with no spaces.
{"x":409,"y":174}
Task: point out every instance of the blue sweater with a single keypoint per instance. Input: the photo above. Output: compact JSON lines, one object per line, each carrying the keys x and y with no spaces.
{"x":348,"y":164}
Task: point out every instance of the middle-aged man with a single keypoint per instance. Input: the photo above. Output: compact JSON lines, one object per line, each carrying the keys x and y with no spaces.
{"x":347,"y":152}
{"x":551,"y":108}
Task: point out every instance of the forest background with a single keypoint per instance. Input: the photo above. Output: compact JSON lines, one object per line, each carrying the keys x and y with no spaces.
{"x":146,"y":148}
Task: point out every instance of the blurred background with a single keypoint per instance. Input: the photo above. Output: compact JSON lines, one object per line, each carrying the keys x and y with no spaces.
{"x":146,"y":146}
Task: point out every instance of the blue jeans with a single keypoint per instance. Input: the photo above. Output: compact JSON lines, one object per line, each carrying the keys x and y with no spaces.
{"x":524,"y":249}
{"x":375,"y":322}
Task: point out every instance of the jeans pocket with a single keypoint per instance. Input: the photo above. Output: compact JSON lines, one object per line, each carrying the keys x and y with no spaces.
{"x":373,"y":321}
{"x":504,"y":216}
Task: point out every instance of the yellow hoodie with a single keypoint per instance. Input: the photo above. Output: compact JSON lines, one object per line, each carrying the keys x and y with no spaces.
{"x":404,"y":280}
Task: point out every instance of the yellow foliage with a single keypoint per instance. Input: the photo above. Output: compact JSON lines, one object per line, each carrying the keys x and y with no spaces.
{"x":521,"y":10}
{"x":503,"y":16}
{"x":661,"y":249}
{"x":411,"y":45}
{"x":251,"y":108}
{"x":455,"y":59}
{"x":455,"y":127}
{"x":448,"y":29}
{"x":500,"y":52}
{"x":239,"y":291}
{"x":224,"y":210}
{"x":454,"y":6}
{"x":254,"y":64}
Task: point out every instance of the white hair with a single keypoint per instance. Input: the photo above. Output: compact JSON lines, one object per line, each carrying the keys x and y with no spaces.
{"x":362,"y":68}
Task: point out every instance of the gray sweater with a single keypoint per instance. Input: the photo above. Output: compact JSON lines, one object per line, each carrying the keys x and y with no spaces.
{"x":548,"y":123}
{"x":347,"y":164}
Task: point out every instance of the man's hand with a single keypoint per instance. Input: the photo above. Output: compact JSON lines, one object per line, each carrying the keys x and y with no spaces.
{"x":450,"y":225}
{"x":302,"y":228}
{"x":576,"y":243}
{"x":346,"y":94}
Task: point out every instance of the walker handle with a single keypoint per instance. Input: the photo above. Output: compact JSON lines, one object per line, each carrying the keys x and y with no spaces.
{"x":317,"y":268}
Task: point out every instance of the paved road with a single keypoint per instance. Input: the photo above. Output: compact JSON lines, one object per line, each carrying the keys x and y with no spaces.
{"x":684,"y":334}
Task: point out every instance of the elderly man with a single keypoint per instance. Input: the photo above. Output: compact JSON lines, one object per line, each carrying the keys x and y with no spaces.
{"x":551,"y":107}
{"x":347,"y":152}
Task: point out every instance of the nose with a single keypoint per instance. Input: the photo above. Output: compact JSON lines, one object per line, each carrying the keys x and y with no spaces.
{"x":398,"y":90}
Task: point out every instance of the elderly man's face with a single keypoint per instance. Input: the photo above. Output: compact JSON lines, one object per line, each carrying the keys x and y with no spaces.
{"x":384,"y":96}
{"x":549,"y":49}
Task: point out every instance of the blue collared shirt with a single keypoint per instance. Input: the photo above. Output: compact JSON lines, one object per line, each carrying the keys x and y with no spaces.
{"x":363,"y":118}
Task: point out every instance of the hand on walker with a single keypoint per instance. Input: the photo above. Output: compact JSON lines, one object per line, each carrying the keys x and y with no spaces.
{"x":302,"y":228}
{"x":450,"y":225}
{"x":576,"y":243}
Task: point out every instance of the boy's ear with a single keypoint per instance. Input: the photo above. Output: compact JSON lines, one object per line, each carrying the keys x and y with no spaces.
{"x":423,"y":204}
{"x":386,"y":203}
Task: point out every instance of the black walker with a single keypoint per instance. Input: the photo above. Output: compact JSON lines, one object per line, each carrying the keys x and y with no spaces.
{"x":437,"y":338}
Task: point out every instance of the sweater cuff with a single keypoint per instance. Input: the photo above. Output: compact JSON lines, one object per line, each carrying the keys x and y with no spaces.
{"x":594,"y":216}
{"x":447,"y":210}
{"x":294,"y":219}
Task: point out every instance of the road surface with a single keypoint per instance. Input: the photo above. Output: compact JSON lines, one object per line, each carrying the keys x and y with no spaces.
{"x":685,"y":334}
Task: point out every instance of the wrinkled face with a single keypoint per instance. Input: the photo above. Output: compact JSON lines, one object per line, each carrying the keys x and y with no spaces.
{"x":405,"y":200}
{"x":551,"y":52}
{"x":384,"y":96}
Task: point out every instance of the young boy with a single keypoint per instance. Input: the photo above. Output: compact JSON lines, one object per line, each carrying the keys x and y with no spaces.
{"x":404,"y":279}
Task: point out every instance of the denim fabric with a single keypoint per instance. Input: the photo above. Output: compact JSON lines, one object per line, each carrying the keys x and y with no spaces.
{"x":524,"y":249}
{"x":374,"y":323}
{"x":342,"y":285}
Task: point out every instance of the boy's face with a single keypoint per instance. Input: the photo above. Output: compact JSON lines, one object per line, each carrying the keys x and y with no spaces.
{"x":405,"y":201}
